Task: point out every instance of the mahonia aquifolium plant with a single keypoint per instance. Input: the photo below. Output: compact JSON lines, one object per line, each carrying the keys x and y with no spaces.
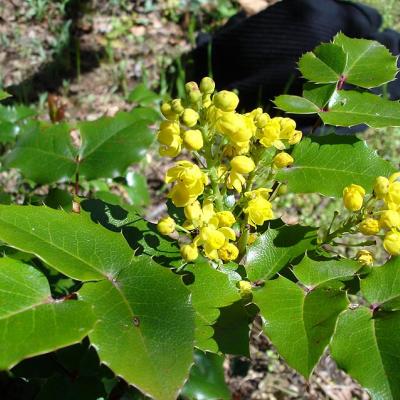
{"x":227,"y":191}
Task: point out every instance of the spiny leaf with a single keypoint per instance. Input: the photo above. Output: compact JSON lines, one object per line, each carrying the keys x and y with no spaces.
{"x":44,"y":155}
{"x":324,"y":65}
{"x":28,"y":314}
{"x":328,"y":164}
{"x":296,"y":323}
{"x":145,"y":332}
{"x":349,"y":108}
{"x":273,"y":250}
{"x":210,"y":290}
{"x":369,"y":63}
{"x":368,"y":349}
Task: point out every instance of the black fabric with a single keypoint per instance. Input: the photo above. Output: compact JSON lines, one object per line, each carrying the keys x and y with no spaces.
{"x":258,"y":55}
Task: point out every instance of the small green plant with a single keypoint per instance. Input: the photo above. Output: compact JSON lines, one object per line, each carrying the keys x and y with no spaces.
{"x":161,"y":304}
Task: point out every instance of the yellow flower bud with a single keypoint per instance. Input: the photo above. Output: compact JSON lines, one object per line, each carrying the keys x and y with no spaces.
{"x":295,"y":137}
{"x":168,"y":130}
{"x":171,"y":148}
{"x":193,"y":92}
{"x":369,"y":226}
{"x":206,"y":100}
{"x":389,"y":219}
{"x":166,"y":225}
{"x":393,"y":195}
{"x":226,"y":101}
{"x":252,"y":238}
{"x":391,"y":243}
{"x":365,"y":257}
{"x":177,"y":106}
{"x":193,"y":139}
{"x":282,"y":160}
{"x":189,"y":252}
{"x":381,"y":187}
{"x":228,"y":252}
{"x":207,"y":85}
{"x":229,"y":123}
{"x":262,"y":120}
{"x":245,"y":288}
{"x":242,"y":164}
{"x":225,"y":218}
{"x":353,"y":197}
{"x":258,"y":211}
{"x":193,"y":211}
{"x":181,"y":195}
{"x":167,"y":111}
{"x":190,"y":117}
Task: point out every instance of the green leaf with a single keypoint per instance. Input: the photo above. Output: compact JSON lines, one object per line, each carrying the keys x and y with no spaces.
{"x":111,"y":144}
{"x":4,"y":95}
{"x":206,"y":379}
{"x":328,"y":164}
{"x":145,"y":332}
{"x":44,"y":156}
{"x":274,"y":249}
{"x":142,"y":95}
{"x":368,"y":348}
{"x":137,"y":189}
{"x":296,"y":105}
{"x":318,"y":94}
{"x":324,"y":65}
{"x":70,"y":243}
{"x":15,"y":113}
{"x":349,"y":108}
{"x":210,"y":290}
{"x":313,"y":273}
{"x":298,"y":326}
{"x":142,"y":236}
{"x":28,"y":313}
{"x":382,"y":286}
{"x":369,"y":63}
{"x":232,"y":331}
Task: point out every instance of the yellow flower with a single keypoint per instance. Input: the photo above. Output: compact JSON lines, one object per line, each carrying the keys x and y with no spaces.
{"x":288,"y":126}
{"x":189,"y":252}
{"x":228,"y":252}
{"x":269,"y":135}
{"x":206,"y":100}
{"x":283,"y":160}
{"x":193,"y":92}
{"x":186,"y":173}
{"x":193,"y":211}
{"x":190,"y":117}
{"x":173,"y":149}
{"x":365,"y":257}
{"x":262,"y":120}
{"x":242,"y":164}
{"x":393,"y":194}
{"x":260,"y":192}
{"x":181,"y":195}
{"x":236,"y":127}
{"x":391,"y":243}
{"x":245,"y":288}
{"x":381,"y":187}
{"x":353,"y":197}
{"x":167,"y":111}
{"x":369,"y":226}
{"x":177,"y":107}
{"x":166,"y":225}
{"x":258,"y":211}
{"x":207,"y":85}
{"x":295,"y":137}
{"x":226,"y":101}
{"x":225,"y":218}
{"x":193,"y":139}
{"x":389,"y":219}
{"x":235,"y":181}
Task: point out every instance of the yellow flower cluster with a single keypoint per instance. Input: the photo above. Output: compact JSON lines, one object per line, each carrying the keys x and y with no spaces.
{"x":381,"y":213}
{"x":225,"y":189}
